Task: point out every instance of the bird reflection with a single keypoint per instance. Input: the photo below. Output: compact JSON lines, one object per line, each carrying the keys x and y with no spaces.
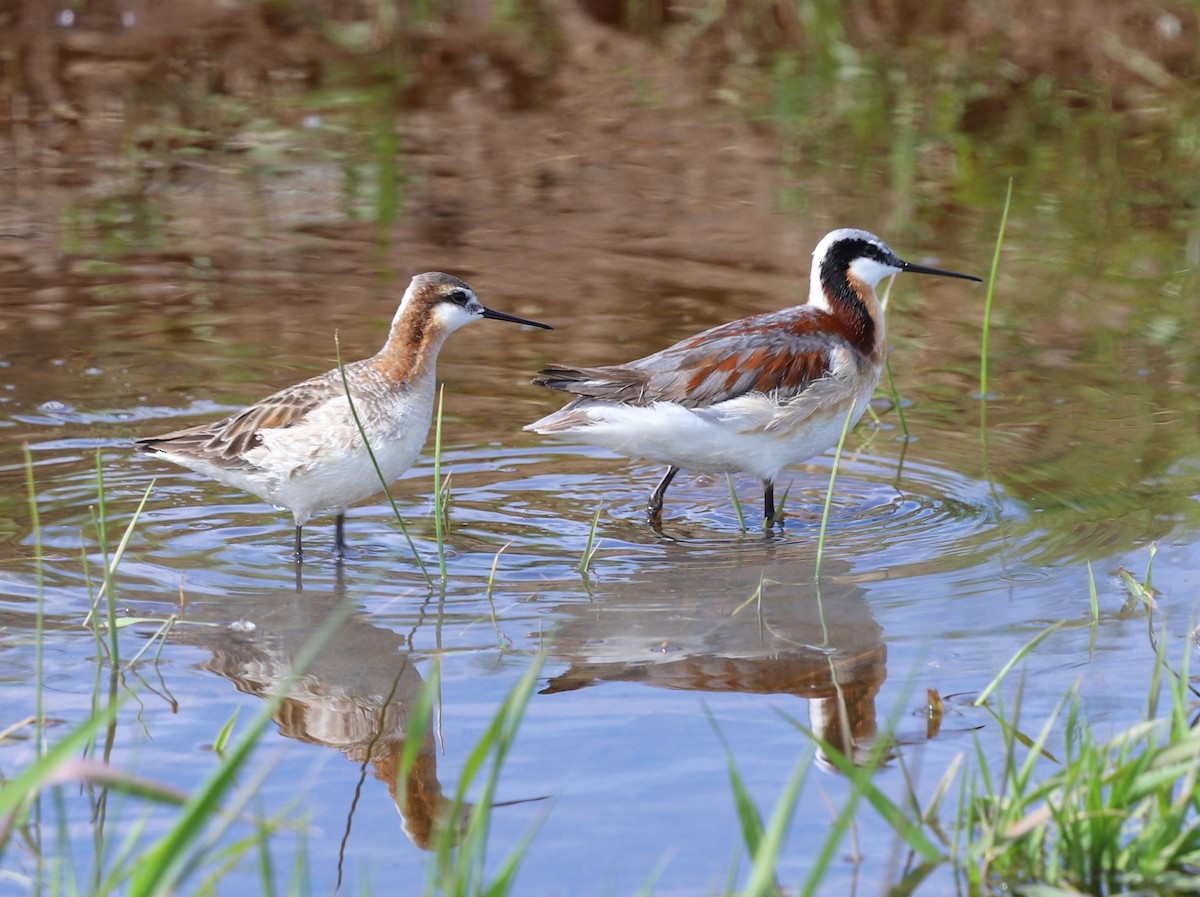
{"x":356,"y":696}
{"x":701,"y":623}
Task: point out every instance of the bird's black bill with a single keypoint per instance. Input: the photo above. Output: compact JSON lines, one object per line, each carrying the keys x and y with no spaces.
{"x":922,"y":269}
{"x":501,"y":316}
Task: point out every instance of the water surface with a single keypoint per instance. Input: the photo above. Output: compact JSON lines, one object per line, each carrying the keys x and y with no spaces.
{"x":132,"y":312}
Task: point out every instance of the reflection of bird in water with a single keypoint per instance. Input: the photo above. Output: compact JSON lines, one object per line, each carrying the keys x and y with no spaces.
{"x":356,"y":696}
{"x":302,"y":449}
{"x":751,"y":396}
{"x":696,"y":624}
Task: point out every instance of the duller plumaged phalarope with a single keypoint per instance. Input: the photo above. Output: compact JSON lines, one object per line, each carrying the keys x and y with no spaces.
{"x":751,"y":396}
{"x":300,"y":449}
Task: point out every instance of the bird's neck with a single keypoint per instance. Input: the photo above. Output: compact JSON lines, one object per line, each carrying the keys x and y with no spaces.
{"x":410,"y":354}
{"x":853,"y":303}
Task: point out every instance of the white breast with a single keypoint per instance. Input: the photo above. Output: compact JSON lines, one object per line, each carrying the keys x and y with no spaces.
{"x":323,"y":464}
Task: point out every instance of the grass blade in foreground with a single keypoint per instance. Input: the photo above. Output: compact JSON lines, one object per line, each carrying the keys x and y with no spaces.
{"x":26,"y":783}
{"x":748,"y":816}
{"x":164,"y":865}
{"x":1119,"y":816}
{"x":1015,"y":659}
{"x":764,"y":843}
{"x":457,"y":867}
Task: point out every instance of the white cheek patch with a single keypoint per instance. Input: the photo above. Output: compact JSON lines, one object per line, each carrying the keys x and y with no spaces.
{"x":451,"y":317}
{"x":871,"y":271}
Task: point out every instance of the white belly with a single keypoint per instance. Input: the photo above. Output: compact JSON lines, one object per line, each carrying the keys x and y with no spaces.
{"x":753,"y":434}
{"x":323,"y":464}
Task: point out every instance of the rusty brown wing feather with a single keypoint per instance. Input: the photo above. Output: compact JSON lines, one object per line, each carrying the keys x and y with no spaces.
{"x":225,"y":442}
{"x":779,"y":353}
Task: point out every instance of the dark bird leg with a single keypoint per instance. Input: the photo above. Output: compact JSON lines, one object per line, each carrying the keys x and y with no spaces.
{"x":769,"y":503}
{"x":654,"y":506}
{"x":298,"y":555}
{"x":339,"y":538}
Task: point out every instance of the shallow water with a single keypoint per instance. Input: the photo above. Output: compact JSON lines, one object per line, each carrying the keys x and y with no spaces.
{"x":946,"y":551}
{"x":934,"y":575}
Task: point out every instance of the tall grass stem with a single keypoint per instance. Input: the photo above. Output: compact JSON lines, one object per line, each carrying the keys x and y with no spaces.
{"x":837,"y":460}
{"x":439,"y":525}
{"x":893,"y":394}
{"x":39,"y":623}
{"x":385,"y":486}
{"x":987,"y":303}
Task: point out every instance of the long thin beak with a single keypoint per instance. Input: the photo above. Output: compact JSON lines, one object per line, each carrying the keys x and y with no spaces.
{"x":921,"y":269}
{"x":501,"y":316}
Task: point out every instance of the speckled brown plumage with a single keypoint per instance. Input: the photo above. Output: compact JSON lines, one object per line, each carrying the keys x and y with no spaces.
{"x":302,"y":449}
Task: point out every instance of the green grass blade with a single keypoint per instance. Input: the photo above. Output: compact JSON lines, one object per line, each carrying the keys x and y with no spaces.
{"x":895,"y":396}
{"x":590,"y":548}
{"x":837,"y":460}
{"x":385,"y":486}
{"x":419,"y":716}
{"x":991,"y":289}
{"x":438,"y":501}
{"x":221,"y":742}
{"x":1093,"y":599}
{"x":122,"y":545}
{"x":895,"y":817}
{"x":737,"y":504}
{"x":1016,"y":658}
{"x":457,"y":866}
{"x":108,"y":590}
{"x":39,"y":622}
{"x":749,"y":818}
{"x":892,"y":392}
{"x":762,"y":880}
{"x":26,"y":783}
{"x":165,"y":862}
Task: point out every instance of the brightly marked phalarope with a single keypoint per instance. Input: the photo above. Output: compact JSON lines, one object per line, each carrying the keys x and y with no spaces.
{"x":751,"y":396}
{"x":300,"y":449}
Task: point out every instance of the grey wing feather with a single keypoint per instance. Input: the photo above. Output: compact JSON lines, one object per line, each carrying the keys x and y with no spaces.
{"x":226,"y":441}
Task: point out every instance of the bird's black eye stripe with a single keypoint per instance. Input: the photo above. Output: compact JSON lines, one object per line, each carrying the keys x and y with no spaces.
{"x":458,"y":297}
